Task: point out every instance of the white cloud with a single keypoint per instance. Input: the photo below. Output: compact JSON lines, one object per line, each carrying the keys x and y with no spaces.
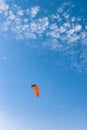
{"x":20,"y":12}
{"x":83,"y":35}
{"x":5,"y":25}
{"x":11,"y":15}
{"x":52,"y":44}
{"x":34,"y":11}
{"x":39,"y":26}
{"x":3,"y":7}
{"x":62,"y":29}
{"x":65,"y":30}
{"x":74,"y":29}
{"x":53,"y":31}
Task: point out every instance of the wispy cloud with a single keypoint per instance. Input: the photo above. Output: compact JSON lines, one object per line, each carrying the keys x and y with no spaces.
{"x":4,"y":58}
{"x":72,"y":108}
{"x":64,"y":29}
{"x":62,"y":106}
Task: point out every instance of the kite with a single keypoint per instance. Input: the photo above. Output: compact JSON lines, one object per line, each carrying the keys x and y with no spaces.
{"x":36,"y":90}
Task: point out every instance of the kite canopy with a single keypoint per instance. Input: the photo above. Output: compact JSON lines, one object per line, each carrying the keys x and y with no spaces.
{"x":36,"y":90}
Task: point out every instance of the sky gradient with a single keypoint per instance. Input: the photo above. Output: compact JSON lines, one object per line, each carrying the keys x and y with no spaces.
{"x":43,"y":43}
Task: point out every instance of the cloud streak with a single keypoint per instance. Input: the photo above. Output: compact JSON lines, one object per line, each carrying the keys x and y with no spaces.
{"x":64,"y":29}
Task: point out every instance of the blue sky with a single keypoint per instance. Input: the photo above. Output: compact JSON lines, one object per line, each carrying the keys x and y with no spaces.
{"x":43,"y":43}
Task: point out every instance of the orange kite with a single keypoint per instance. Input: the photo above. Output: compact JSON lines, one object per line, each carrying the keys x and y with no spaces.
{"x":36,"y":90}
